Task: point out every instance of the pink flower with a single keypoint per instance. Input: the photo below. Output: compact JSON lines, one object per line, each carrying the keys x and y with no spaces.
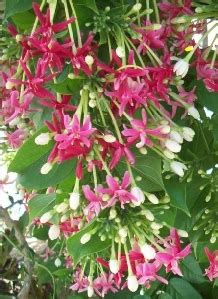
{"x":16,"y":138}
{"x":212,"y":271}
{"x":118,"y":192}
{"x":104,"y":284}
{"x":94,"y":199}
{"x":140,"y":131}
{"x":118,"y":151}
{"x":81,"y":282}
{"x":172,"y":10}
{"x":147,"y":272}
{"x":173,"y":253}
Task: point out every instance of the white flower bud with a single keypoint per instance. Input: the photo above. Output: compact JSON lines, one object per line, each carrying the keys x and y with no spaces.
{"x":149,"y":215}
{"x":181,"y":68}
{"x":137,"y":7}
{"x":153,"y":199}
{"x":113,"y":213}
{"x":182,"y":233}
{"x":9,"y":85}
{"x":156,"y":226}
{"x":143,"y":150}
{"x":123,"y":232}
{"x":109,"y":138}
{"x":114,"y":266}
{"x":90,"y":291}
{"x":54,"y":232}
{"x":174,"y":135}
{"x":178,"y":168}
{"x":89,"y":60}
{"x":188,"y":134}
{"x":170,"y":155}
{"x":165,"y":129}
{"x":64,"y":218}
{"x":46,"y":217}
{"x":139,"y":195}
{"x":57,"y":262}
{"x":148,"y":251}
{"x":43,"y":139}
{"x":120,"y":52}
{"x":132,"y":283}
{"x":85,"y":238}
{"x":173,"y":146}
{"x":193,"y":112}
{"x":92,"y":103}
{"x":74,"y":200}
{"x":46,"y":168}
{"x":61,"y":208}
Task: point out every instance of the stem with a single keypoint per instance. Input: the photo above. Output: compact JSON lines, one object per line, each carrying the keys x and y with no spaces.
{"x":69,"y":26}
{"x":77,"y":24}
{"x":102,"y":161}
{"x":156,"y":11}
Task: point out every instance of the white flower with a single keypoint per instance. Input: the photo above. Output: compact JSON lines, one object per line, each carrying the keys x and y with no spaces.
{"x":148,"y":251}
{"x":174,"y":135}
{"x":114,"y":266}
{"x":46,"y":217}
{"x":46,"y":168}
{"x":57,"y":262}
{"x":89,"y":60}
{"x":193,"y":112}
{"x":153,"y":199}
{"x":54,"y":232}
{"x":42,"y":139}
{"x":173,"y":146}
{"x":178,"y":168}
{"x":181,"y":68}
{"x":74,"y":200}
{"x":62,"y":207}
{"x":85,"y":238}
{"x":188,"y":134}
{"x":120,"y":52}
{"x":139,"y":195}
{"x":132,"y":283}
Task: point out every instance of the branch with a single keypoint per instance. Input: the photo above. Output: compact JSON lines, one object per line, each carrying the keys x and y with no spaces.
{"x":24,"y":292}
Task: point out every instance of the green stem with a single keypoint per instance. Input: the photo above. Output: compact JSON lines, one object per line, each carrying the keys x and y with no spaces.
{"x":77,"y":24}
{"x":69,"y":26}
{"x":156,"y":11}
{"x":114,"y":122}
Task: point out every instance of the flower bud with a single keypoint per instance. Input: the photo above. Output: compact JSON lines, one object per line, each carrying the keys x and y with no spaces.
{"x":123,"y":232}
{"x":182,"y":233}
{"x":89,"y":60}
{"x":114,"y":266}
{"x":85,"y":238}
{"x":178,"y":168}
{"x":9,"y":85}
{"x":188,"y":134}
{"x":174,"y":135}
{"x":54,"y":232}
{"x":149,"y":215}
{"x":173,"y":146}
{"x":92,"y":103}
{"x":132,"y":283}
{"x":137,"y":7}
{"x":43,"y":139}
{"x":90,"y":291}
{"x":109,"y":138}
{"x":61,"y":208}
{"x":165,"y":129}
{"x":57,"y":262}
{"x":64,"y":218}
{"x":170,"y":155}
{"x":138,"y":194}
{"x":181,"y":68}
{"x":148,"y":251}
{"x":153,"y":199}
{"x":120,"y":52}
{"x":74,"y":200}
{"x":113,"y":213}
{"x":46,"y":217}
{"x":46,"y":168}
{"x":193,"y":112}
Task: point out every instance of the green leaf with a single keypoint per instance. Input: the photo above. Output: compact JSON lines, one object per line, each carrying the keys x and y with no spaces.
{"x":177,"y":193}
{"x":24,"y":20}
{"x":29,"y":153}
{"x":31,"y":177}
{"x":206,"y":98}
{"x":40,"y":204}
{"x":88,"y":3}
{"x":148,"y":168}
{"x":78,"y":250}
{"x":12,"y":7}
{"x":191,"y":270}
{"x":165,"y":296}
{"x":68,"y":86}
{"x":181,"y":289}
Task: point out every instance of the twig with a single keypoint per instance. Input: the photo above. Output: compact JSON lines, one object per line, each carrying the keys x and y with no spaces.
{"x":24,"y":292}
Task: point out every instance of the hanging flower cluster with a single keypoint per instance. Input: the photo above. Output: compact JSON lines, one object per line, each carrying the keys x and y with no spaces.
{"x":129,"y":103}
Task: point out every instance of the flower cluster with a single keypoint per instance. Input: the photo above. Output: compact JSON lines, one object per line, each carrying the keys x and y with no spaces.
{"x":106,"y":113}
